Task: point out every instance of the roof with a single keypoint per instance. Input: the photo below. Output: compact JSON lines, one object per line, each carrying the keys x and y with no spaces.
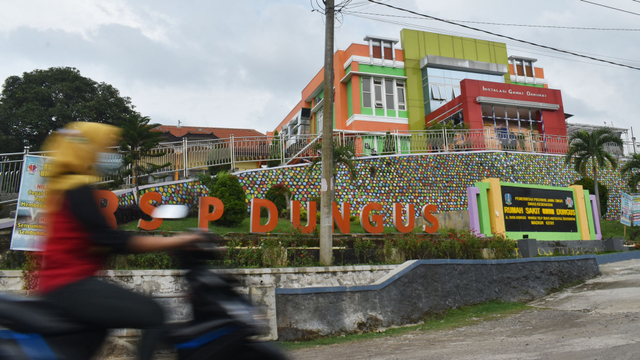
{"x":221,"y":133}
{"x":573,"y":127}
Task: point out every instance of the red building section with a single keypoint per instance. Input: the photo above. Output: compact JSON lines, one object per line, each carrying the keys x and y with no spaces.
{"x":515,"y":107}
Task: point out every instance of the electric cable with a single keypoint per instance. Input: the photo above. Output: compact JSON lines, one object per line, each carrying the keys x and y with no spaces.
{"x":512,"y":44}
{"x":610,"y":7}
{"x":507,"y":37}
{"x":505,"y":24}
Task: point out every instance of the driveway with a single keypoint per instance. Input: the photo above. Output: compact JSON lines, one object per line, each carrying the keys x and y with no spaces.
{"x":599,"y":319}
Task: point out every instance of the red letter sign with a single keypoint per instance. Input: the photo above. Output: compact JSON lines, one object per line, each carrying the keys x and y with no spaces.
{"x":272,"y":221}
{"x":204,"y":216}
{"x":397,"y":218}
{"x":112,"y":205}
{"x":343,"y":222}
{"x":377,"y":218}
{"x":427,"y":211}
{"x":311,"y":216}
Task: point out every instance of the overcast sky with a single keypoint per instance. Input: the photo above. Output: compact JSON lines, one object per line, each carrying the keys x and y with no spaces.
{"x":243,"y":63}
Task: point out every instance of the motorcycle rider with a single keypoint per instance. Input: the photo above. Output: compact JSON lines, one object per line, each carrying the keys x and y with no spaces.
{"x":79,"y":240}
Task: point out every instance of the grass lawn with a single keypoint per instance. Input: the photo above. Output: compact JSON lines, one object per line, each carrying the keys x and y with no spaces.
{"x":284,"y":226}
{"x":613,"y":229}
{"x":454,"y":318}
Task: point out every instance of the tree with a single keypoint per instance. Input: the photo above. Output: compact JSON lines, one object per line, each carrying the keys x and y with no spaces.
{"x":589,"y":147}
{"x":274,"y":150}
{"x":136,"y":144}
{"x":632,"y":169}
{"x":228,"y":189}
{"x":342,"y":154}
{"x":42,"y":101}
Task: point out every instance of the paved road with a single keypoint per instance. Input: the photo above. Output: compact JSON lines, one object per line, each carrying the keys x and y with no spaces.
{"x":599,"y":319}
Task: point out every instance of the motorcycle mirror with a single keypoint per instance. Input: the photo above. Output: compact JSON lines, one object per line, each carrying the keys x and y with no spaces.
{"x":170,"y":212}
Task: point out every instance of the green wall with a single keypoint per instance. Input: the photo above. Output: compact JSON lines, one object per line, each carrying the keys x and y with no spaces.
{"x":418,"y":44}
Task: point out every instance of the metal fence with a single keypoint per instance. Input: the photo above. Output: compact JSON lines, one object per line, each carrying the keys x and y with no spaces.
{"x":182,"y":156}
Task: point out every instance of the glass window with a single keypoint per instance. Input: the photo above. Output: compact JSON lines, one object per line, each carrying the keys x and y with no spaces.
{"x":388,"y":91}
{"x":401,"y":103}
{"x":456,"y":91}
{"x":436,"y":72}
{"x":366,"y":92}
{"x":435,"y":92}
{"x":319,"y":124}
{"x":377,"y":87}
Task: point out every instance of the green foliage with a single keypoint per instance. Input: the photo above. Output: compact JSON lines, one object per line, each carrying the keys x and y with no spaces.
{"x":279,"y":194}
{"x":342,"y":154}
{"x":632,"y":169}
{"x":588,"y":184}
{"x":589,"y":148}
{"x":149,"y":261}
{"x":275,"y":150}
{"x":136,"y":144}
{"x":364,"y":247}
{"x":228,"y":189}
{"x":41,"y":101}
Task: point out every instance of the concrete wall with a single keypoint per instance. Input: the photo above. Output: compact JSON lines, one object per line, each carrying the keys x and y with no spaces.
{"x":421,"y":287}
{"x":302,"y":303}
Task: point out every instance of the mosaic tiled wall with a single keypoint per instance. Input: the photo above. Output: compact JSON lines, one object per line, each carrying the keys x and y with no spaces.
{"x":440,"y":179}
{"x":178,"y":193}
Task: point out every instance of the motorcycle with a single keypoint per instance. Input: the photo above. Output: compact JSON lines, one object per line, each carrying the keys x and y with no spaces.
{"x":224,"y":322}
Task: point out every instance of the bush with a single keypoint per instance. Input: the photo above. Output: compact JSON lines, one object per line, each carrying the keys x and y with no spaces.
{"x":128,"y":213}
{"x":279,"y":195}
{"x":587,"y":184}
{"x":227,"y":188}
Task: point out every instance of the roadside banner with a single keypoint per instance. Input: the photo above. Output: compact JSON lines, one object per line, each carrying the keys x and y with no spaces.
{"x":635,"y":212}
{"x":30,"y":226}
{"x":626,"y":209}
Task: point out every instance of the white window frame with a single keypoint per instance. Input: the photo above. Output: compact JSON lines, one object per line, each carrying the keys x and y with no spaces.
{"x":364,"y":94}
{"x":402,"y":86}
{"x":378,"y":104}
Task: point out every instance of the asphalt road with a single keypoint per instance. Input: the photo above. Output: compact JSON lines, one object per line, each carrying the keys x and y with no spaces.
{"x":599,"y":319}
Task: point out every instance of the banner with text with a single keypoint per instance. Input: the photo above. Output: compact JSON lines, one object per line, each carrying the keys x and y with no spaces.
{"x":538,"y":210}
{"x":30,"y":226}
{"x":626,"y":209}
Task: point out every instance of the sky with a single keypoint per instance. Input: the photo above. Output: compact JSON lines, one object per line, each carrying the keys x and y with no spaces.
{"x":244,"y":63}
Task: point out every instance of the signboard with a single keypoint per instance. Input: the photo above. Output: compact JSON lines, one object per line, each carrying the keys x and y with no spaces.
{"x":30,"y":225}
{"x":635,"y":211}
{"x":538,"y":210}
{"x":626,"y":209}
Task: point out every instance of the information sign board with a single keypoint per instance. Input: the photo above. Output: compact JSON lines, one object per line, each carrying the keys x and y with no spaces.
{"x":538,"y":210}
{"x":30,"y":226}
{"x":626,"y":209}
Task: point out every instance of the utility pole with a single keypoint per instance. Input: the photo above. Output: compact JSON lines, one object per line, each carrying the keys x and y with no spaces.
{"x":326,"y":182}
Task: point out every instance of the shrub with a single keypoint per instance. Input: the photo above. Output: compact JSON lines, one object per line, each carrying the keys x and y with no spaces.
{"x":227,"y":188}
{"x":279,"y":194}
{"x":128,"y":213}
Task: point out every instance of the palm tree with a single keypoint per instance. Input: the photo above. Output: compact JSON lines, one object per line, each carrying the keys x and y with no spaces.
{"x":587,"y":146}
{"x":342,"y":154}
{"x":632,"y":168}
{"x":138,"y":141}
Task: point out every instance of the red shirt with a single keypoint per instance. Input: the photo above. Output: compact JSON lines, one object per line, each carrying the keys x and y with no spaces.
{"x":76,"y":242}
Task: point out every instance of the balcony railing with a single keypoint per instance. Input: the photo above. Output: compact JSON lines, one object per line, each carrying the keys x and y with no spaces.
{"x":186,"y":155}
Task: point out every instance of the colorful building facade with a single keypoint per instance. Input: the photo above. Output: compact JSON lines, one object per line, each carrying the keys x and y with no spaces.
{"x":425,"y":78}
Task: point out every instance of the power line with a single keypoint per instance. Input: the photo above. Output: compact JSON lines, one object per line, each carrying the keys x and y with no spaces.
{"x":610,"y":7}
{"x":507,"y":37}
{"x":503,"y":24}
{"x":513,"y":44}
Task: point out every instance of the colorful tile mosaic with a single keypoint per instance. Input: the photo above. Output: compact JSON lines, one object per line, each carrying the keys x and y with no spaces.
{"x":179,"y":193}
{"x":440,"y":179}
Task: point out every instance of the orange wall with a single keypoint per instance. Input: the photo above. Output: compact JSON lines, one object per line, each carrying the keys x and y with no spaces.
{"x":376,"y":126}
